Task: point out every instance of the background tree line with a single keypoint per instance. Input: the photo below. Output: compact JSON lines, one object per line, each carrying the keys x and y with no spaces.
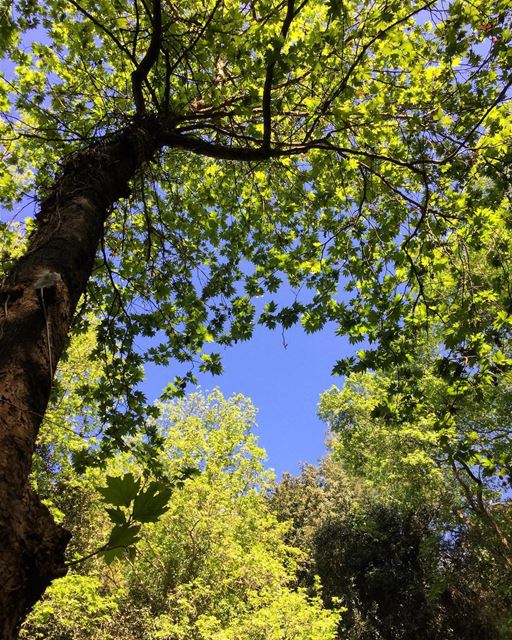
{"x":380,"y":540}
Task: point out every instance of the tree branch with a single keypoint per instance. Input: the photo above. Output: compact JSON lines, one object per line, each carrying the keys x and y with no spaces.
{"x":172,"y":137}
{"x":103,"y":28}
{"x":146,"y":64}
{"x":269,"y":76}
{"x":480,"y":508}
{"x":344,"y":81}
{"x":198,"y":37}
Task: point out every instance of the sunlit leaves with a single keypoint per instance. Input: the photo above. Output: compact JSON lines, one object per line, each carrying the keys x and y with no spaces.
{"x":396,"y":219}
{"x":216,"y":562}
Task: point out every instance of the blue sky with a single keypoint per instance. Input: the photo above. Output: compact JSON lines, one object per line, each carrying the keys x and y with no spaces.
{"x":284,"y":384}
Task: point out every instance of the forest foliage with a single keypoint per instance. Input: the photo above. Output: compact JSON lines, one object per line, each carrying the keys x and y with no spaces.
{"x":311,"y":163}
{"x":380,"y":540}
{"x":384,"y":197}
{"x":216,"y":565}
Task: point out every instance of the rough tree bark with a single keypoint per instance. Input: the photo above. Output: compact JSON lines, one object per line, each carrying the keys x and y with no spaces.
{"x":37,"y":300}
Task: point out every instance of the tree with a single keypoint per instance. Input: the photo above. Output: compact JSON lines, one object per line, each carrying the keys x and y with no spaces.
{"x":214,"y":567}
{"x":429,"y":442}
{"x":401,"y":569}
{"x":206,"y":152}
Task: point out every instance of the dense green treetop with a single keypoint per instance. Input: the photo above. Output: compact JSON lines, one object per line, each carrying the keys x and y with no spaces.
{"x":425,"y":444}
{"x":215,"y":566}
{"x":403,"y":568}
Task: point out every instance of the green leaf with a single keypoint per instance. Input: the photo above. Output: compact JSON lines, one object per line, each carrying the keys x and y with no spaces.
{"x":185,"y":474}
{"x":117,"y":516}
{"x":113,"y":554}
{"x":121,"y":537}
{"x":120,"y":490}
{"x":149,"y":505}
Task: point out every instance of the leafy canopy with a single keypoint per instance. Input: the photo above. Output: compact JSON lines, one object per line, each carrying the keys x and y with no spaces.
{"x":357,"y":151}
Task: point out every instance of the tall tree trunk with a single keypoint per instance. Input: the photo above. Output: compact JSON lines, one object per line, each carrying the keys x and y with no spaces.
{"x":37,"y":303}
